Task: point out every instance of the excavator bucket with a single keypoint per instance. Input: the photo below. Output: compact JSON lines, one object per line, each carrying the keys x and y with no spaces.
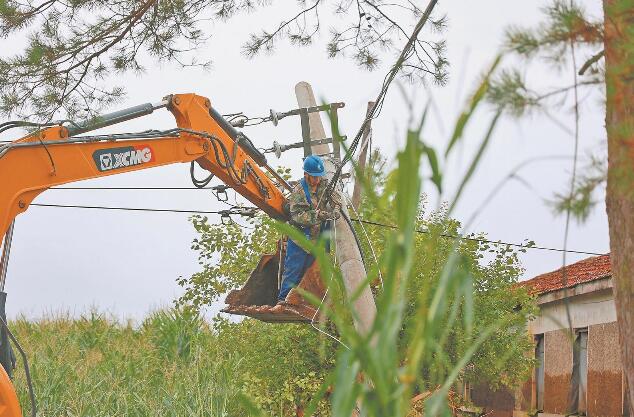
{"x":258,"y":296}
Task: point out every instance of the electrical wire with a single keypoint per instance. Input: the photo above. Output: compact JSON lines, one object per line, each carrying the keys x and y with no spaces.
{"x":155,"y":210}
{"x":564,"y":276}
{"x":242,"y":120}
{"x":130,"y":188}
{"x":474,"y":239}
{"x":359,"y":220}
{"x":323,"y":299}
{"x":367,"y":237}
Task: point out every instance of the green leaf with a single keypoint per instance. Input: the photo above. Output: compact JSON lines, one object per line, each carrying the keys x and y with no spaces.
{"x":436,"y":177}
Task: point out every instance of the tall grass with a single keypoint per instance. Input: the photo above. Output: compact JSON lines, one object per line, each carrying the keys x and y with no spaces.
{"x":95,"y":366}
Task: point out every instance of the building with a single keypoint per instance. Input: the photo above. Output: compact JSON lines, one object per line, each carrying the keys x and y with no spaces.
{"x":578,"y":372}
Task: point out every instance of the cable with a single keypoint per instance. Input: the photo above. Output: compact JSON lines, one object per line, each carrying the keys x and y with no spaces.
{"x":474,"y":239}
{"x":229,"y":164}
{"x":130,"y":188}
{"x":199,"y":183}
{"x":388,"y":226}
{"x":127,"y":208}
{"x":367,"y":237}
{"x":27,"y":372}
{"x":323,"y":299}
{"x":227,"y":213}
{"x":354,"y":234}
{"x":19,"y":123}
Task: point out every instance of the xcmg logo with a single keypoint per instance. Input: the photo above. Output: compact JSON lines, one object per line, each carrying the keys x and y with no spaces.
{"x":107,"y":159}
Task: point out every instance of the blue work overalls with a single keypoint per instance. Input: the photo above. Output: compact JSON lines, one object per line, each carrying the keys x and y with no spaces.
{"x":297,"y":260}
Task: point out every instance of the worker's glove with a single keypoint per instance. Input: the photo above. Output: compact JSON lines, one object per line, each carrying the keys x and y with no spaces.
{"x":335,"y":199}
{"x":324,"y":215}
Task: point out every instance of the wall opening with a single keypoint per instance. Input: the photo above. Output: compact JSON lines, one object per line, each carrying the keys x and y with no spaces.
{"x":577,"y":403}
{"x":539,"y":372}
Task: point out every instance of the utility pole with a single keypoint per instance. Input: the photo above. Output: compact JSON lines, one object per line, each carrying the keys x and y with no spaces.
{"x":363,"y":156}
{"x":348,"y":252}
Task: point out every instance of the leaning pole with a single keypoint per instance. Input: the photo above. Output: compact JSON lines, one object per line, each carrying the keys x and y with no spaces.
{"x":348,"y":252}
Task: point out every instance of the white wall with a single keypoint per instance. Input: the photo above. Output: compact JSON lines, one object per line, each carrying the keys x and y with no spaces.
{"x":585,"y":310}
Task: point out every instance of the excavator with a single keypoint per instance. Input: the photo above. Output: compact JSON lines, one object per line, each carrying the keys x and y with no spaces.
{"x":61,"y":152}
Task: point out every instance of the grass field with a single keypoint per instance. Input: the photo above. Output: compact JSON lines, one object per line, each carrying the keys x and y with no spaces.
{"x":93,"y":366}
{"x":173,"y":364}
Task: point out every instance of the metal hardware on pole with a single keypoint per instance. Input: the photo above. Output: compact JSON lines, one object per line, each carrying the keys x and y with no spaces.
{"x":278,"y":148}
{"x":334,"y":124}
{"x":306,"y":136}
{"x":275,"y":117}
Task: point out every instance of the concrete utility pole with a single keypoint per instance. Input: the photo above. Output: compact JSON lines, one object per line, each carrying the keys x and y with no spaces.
{"x":348,"y":252}
{"x":363,"y":156}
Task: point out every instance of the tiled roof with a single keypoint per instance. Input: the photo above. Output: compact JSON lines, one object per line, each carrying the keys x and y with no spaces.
{"x":586,"y":270}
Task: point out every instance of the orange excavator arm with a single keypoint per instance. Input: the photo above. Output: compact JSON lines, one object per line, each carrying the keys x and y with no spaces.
{"x":59,"y":155}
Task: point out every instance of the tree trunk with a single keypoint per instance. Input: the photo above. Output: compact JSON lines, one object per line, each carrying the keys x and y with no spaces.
{"x":619,"y":63}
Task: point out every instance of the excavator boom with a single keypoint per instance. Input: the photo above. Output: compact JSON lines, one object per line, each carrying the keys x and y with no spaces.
{"x":57,"y":155}
{"x":61,"y":154}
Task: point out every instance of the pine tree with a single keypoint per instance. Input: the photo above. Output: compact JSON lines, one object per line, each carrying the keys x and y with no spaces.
{"x":76,"y":49}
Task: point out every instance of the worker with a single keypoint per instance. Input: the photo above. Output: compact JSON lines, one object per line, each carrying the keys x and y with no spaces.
{"x":309,"y":213}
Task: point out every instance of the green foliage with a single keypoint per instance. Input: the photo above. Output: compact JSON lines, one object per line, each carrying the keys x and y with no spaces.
{"x":465,"y":116}
{"x":509,"y":91}
{"x":441,"y":309}
{"x":227,"y":254}
{"x":282,"y":366}
{"x":494,"y":269}
{"x":565,"y":21}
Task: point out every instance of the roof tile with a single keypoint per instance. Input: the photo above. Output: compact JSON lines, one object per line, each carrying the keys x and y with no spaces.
{"x":586,"y":270}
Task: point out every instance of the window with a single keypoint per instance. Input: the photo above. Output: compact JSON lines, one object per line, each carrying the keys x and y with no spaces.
{"x":539,"y":372}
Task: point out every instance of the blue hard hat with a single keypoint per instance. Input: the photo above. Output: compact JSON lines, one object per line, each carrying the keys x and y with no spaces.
{"x":314,"y":166}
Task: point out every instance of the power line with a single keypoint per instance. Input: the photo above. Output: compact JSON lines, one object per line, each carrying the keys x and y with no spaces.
{"x":408,"y":49}
{"x":369,"y":222}
{"x":131,"y":188}
{"x":474,"y":239}
{"x":128,"y":208}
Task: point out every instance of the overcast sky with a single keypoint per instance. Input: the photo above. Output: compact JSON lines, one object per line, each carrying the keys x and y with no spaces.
{"x":124,"y":263}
